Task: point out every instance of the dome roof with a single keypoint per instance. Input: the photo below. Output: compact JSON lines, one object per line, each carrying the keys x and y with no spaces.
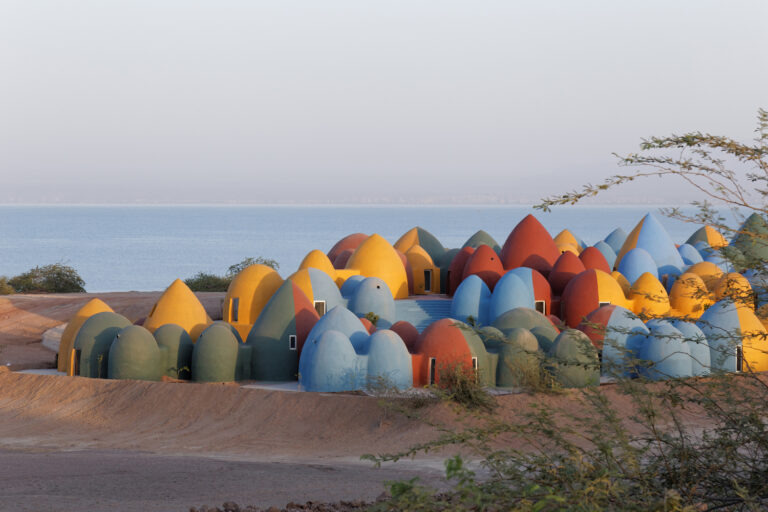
{"x":650,"y":235}
{"x":648,"y":296}
{"x":67,"y":342}
{"x":178,"y":350}
{"x":422,"y":237}
{"x":482,"y":238}
{"x":592,"y":257}
{"x":134,"y":354}
{"x":456,"y":268}
{"x":530,"y":245}
{"x":689,"y":296}
{"x":587,"y":292}
{"x":709,"y":235}
{"x":471,"y":299}
{"x":178,"y":305}
{"x":94,"y":339}
{"x":348,"y":243}
{"x":637,"y":262}
{"x":485,"y":264}
{"x":376,"y":258}
{"x":214,"y":358}
{"x":252,"y":287}
{"x":567,"y":266}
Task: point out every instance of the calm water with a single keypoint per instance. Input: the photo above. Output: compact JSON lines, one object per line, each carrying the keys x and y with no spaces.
{"x":146,"y":247}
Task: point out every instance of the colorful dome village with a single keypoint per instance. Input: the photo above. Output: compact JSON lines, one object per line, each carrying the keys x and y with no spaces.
{"x":372,"y":312}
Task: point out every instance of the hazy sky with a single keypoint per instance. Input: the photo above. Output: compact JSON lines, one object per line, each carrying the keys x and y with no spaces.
{"x":108,"y":101}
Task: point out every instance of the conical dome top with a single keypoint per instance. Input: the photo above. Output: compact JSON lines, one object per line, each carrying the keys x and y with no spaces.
{"x":376,"y":258}
{"x":92,"y":307}
{"x":530,"y":245}
{"x":178,"y":305}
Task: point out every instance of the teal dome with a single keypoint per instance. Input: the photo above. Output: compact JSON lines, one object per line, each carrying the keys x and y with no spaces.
{"x":176,"y":348}
{"x":214,"y":358}
{"x":134,"y":354}
{"x":93,"y":342}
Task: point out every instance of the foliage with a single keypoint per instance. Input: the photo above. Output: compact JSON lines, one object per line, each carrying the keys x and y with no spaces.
{"x":372,"y":317}
{"x":235,"y":269}
{"x":676,"y":445}
{"x":54,"y":278}
{"x":205,"y":282}
{"x":5,"y":288}
{"x":461,"y":385}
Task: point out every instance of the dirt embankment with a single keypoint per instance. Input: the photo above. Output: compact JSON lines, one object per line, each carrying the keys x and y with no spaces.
{"x":24,"y":319}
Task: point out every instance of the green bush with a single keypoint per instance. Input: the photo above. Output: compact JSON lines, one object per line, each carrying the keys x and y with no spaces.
{"x":5,"y":288}
{"x":204,"y":282}
{"x":55,"y":278}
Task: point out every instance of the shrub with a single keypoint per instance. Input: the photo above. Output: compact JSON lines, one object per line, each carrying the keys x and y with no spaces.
{"x":204,"y":282}
{"x":55,"y":278}
{"x":5,"y":288}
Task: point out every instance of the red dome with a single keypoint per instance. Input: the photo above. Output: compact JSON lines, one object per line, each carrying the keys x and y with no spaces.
{"x":408,"y":270}
{"x":542,"y":290}
{"x":530,"y":245}
{"x":596,"y":323}
{"x":444,"y":342}
{"x":350,"y":242}
{"x":485,"y":264}
{"x":457,"y":268}
{"x":368,"y":325}
{"x":342,"y":259}
{"x":407,"y":332}
{"x":591,"y":257}
{"x":567,"y":266}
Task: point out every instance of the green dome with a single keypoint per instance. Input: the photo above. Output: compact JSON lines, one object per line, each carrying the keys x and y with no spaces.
{"x":526,"y":318}
{"x":176,"y":350}
{"x":518,"y":359}
{"x":134,"y":354}
{"x":214,"y":358}
{"x":574,"y":360}
{"x":93,"y":342}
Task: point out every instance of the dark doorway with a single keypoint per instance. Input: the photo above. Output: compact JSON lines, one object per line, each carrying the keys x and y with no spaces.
{"x":428,"y":280}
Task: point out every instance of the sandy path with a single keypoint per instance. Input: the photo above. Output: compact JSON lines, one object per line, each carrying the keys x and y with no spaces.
{"x":110,"y":481}
{"x":24,"y":319}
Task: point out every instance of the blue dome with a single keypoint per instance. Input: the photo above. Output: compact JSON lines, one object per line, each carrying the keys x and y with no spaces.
{"x":697,"y":344}
{"x":616,"y":239}
{"x":332,"y":366}
{"x":668,"y":352}
{"x":510,"y":293}
{"x":471,"y":298}
{"x":608,"y":252}
{"x":389,"y":360}
{"x":689,"y":254}
{"x":637,"y":262}
{"x":373,"y":295}
{"x":350,"y":285}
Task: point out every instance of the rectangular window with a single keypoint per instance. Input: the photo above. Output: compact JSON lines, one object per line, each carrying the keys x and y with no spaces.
{"x":292,"y":342}
{"x":739,"y":359}
{"x":320,"y":307}
{"x":474,"y":367}
{"x":428,"y":280}
{"x":541,"y":307}
{"x":235,"y":309}
{"x":602,"y":303}
{"x":432,"y":370}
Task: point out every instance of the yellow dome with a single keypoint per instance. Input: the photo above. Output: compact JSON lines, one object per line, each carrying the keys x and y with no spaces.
{"x":754,"y":340}
{"x":376,"y":258}
{"x":302,"y":279}
{"x":609,"y":290}
{"x":408,"y":240}
{"x":318,"y":259}
{"x":689,"y":295}
{"x":735,"y":286}
{"x":623,"y":282}
{"x":648,"y":296}
{"x":421,"y":265}
{"x":566,"y":238}
{"x":178,"y":305}
{"x":568,"y":248}
{"x":708,"y":271}
{"x":247,"y":295}
{"x":715,"y":238}
{"x":67,"y":342}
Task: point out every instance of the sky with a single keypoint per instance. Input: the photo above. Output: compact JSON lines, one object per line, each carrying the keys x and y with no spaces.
{"x":224,"y":101}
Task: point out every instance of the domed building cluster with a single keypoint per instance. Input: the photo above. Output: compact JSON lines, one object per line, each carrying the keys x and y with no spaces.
{"x":371,"y":313}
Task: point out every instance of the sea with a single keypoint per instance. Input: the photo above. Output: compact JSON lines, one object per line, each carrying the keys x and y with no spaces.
{"x":146,"y":247}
